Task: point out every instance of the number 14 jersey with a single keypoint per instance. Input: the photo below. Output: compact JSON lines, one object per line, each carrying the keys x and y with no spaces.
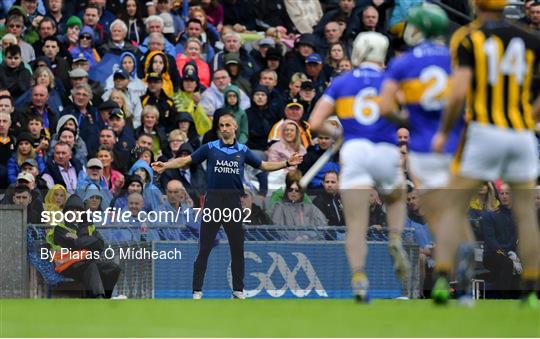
{"x":503,"y":58}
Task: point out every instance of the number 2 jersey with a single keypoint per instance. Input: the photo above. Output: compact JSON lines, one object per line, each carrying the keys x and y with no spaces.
{"x":354,"y":95}
{"x":422,"y":74}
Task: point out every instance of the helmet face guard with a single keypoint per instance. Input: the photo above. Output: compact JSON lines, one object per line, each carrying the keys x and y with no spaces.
{"x":412,"y":35}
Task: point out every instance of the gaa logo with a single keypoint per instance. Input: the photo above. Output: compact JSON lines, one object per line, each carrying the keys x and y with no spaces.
{"x":289,"y":276}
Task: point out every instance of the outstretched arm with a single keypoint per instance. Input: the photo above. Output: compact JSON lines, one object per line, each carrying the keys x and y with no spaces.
{"x":161,"y":167}
{"x":294,"y":160}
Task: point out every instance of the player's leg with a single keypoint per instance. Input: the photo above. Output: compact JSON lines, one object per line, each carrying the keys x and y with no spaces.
{"x":520,"y":172}
{"x":235,"y":235}
{"x":452,"y":232}
{"x":435,"y":203}
{"x":523,"y":209}
{"x":386,"y":170}
{"x":356,"y":183}
{"x":207,"y":236}
{"x":479,"y":158}
{"x":396,"y":212}
{"x":356,"y":211}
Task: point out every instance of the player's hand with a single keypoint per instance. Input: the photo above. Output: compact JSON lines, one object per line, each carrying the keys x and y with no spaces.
{"x":159,"y":166}
{"x":438,"y":143}
{"x":296,"y":159}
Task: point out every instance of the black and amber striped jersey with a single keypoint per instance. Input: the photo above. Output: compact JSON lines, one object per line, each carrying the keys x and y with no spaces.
{"x":503,"y":58}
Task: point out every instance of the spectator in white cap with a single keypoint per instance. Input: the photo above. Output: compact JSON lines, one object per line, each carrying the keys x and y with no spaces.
{"x":32,"y":197}
{"x":31,"y":166}
{"x":26,"y":179}
{"x":164,"y":9}
{"x":93,"y":175}
{"x":168,"y":26}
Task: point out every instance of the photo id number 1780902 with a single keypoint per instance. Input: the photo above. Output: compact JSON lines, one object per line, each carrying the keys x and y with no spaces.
{"x":219,"y":215}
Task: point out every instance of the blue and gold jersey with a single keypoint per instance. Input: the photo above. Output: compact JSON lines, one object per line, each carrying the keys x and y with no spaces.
{"x":355,"y":96}
{"x":423,"y":77}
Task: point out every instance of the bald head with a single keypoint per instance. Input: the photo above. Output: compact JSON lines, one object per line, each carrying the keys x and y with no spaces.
{"x":370,"y":18}
{"x":175,"y":192}
{"x":40,"y":94}
{"x":135,"y":203}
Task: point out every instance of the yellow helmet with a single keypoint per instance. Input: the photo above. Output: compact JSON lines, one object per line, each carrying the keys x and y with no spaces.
{"x":493,"y":5}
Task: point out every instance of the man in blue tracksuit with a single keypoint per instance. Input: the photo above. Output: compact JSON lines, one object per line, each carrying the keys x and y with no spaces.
{"x":225,"y":162}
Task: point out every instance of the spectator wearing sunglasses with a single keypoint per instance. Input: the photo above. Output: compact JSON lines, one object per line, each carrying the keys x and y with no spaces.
{"x":293,"y":210}
{"x":85,"y":46}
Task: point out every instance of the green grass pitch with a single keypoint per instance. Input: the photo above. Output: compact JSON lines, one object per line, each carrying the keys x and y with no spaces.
{"x":263,"y":318}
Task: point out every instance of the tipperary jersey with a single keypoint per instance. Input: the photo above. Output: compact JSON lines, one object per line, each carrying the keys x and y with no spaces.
{"x":354,"y":95}
{"x":422,"y":74}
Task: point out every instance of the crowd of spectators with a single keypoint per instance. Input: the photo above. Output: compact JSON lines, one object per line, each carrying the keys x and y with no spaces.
{"x":92,"y":92}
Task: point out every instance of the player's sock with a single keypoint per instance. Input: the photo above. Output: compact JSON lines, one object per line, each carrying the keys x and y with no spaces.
{"x":441,"y":289}
{"x":399,"y":256}
{"x":360,"y":286}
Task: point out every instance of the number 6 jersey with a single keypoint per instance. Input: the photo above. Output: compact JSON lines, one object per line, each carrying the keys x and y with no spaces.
{"x":354,"y":95}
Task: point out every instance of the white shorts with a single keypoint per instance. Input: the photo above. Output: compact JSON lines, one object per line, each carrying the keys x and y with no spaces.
{"x":492,"y":153}
{"x":431,"y":169}
{"x":364,"y":163}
